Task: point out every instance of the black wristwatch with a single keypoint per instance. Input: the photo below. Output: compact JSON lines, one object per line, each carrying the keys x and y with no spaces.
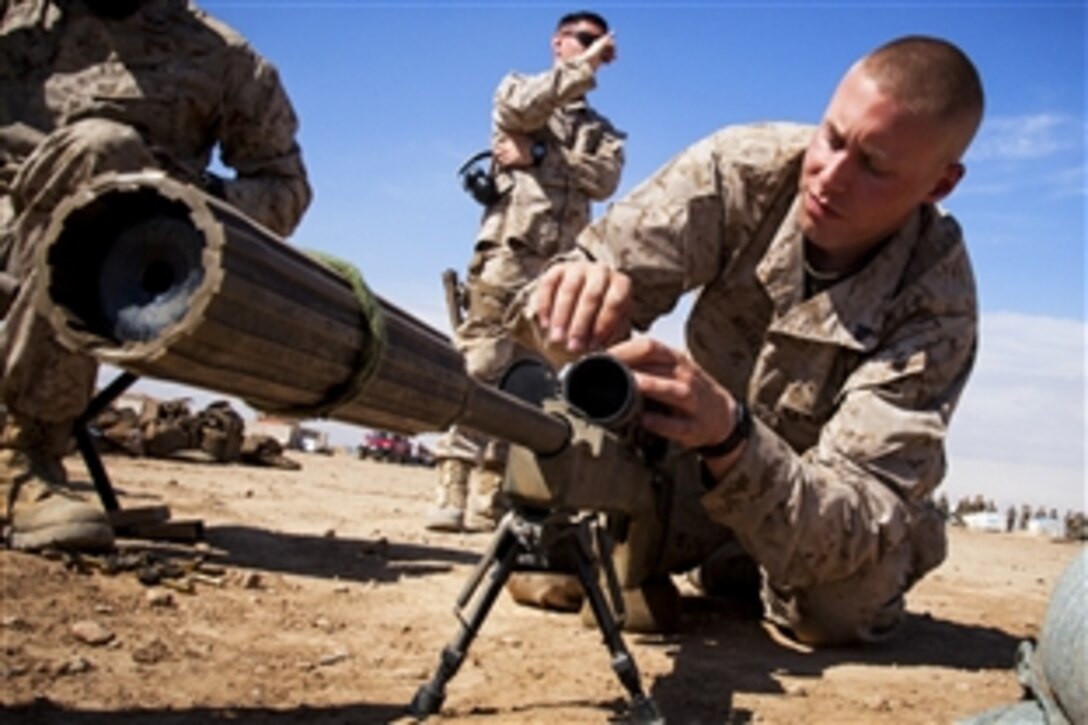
{"x":742,"y":428}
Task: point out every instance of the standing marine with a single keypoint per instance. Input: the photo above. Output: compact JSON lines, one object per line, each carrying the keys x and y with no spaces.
{"x":552,"y":155}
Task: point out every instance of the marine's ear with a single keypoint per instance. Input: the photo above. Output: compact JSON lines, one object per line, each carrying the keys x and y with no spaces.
{"x":949,"y":179}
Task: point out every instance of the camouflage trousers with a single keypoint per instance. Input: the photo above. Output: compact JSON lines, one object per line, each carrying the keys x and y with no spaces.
{"x":831,"y":605}
{"x":496,"y":274}
{"x":41,"y":378}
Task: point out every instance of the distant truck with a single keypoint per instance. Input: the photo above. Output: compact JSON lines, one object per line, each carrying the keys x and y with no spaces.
{"x":389,"y":447}
{"x":382,"y":445}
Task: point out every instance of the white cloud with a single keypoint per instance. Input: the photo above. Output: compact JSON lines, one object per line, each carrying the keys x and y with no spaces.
{"x":1046,"y":347}
{"x":1070,"y":181}
{"x":1019,"y":432}
{"x":1022,"y":138}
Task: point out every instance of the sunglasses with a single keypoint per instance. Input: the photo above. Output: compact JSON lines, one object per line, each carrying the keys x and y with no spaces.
{"x":584,"y":37}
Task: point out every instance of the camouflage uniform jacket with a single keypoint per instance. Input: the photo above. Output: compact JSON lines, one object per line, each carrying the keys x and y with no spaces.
{"x":183,"y":80}
{"x":851,"y":389}
{"x":546,"y":205}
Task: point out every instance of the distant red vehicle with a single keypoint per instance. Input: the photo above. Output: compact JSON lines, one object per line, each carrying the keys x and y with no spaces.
{"x":384,"y":446}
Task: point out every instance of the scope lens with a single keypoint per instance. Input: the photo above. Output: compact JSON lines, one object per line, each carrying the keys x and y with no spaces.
{"x":601,"y":388}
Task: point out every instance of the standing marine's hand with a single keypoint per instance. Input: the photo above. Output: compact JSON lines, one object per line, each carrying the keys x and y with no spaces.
{"x":601,"y":51}
{"x":583,"y":305}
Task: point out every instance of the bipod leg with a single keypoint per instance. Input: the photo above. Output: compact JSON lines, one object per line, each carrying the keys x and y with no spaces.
{"x":95,"y":467}
{"x":643,"y":708}
{"x":499,"y":561}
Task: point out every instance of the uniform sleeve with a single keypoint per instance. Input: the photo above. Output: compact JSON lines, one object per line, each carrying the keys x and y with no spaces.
{"x":667,"y":234}
{"x":595,"y":169}
{"x":676,"y":230}
{"x":257,"y":138}
{"x":524,"y":103}
{"x":661,"y":234}
{"x":825,"y":513}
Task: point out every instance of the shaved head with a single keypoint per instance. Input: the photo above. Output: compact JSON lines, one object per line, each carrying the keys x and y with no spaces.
{"x":931,"y":77}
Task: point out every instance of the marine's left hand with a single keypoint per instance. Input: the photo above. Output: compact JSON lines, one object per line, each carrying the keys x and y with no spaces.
{"x":700,"y":411}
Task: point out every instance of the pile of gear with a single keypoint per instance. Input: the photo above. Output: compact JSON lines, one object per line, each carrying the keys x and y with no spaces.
{"x":168,"y":429}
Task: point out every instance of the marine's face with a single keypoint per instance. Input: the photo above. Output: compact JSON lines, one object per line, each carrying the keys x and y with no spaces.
{"x":868,"y":166}
{"x":566,"y":43}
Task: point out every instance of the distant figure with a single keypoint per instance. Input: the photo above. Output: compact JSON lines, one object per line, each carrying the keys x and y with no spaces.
{"x":1079,"y":530}
{"x":95,"y":86}
{"x":553,"y":154}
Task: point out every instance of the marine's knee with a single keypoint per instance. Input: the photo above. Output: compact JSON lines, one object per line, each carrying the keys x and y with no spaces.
{"x":865,"y":607}
{"x":824,"y":621}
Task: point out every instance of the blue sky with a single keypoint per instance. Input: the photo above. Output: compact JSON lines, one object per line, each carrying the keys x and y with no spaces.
{"x":393,"y":96}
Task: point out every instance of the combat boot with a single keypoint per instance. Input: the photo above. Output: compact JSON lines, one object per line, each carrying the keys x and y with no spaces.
{"x":40,"y":512}
{"x":554,"y":591}
{"x":448,"y":513}
{"x":484,"y":507}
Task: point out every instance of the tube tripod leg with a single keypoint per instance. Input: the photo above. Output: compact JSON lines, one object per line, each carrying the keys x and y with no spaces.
{"x":87,"y":449}
{"x":429,"y":697}
{"x":643,"y":708}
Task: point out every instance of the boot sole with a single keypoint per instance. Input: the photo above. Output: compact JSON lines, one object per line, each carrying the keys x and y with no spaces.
{"x":479,"y":524}
{"x":446,"y":522}
{"x":87,"y":536}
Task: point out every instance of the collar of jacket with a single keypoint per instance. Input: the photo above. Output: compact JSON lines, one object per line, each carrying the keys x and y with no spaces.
{"x":851,"y":313}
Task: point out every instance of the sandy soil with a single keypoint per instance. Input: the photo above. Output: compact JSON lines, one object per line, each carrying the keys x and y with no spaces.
{"x":320,"y":598}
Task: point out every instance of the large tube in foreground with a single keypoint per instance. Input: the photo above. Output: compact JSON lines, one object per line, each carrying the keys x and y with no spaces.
{"x":157,"y":278}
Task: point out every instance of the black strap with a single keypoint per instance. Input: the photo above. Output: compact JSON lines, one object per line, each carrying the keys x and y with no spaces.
{"x":742,"y":428}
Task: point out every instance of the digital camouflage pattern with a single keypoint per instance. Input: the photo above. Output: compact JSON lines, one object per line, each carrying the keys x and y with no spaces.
{"x":82,"y":95}
{"x":543,"y":209}
{"x":851,"y":390}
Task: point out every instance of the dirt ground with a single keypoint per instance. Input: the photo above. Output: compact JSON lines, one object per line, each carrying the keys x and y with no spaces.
{"x":320,"y":598}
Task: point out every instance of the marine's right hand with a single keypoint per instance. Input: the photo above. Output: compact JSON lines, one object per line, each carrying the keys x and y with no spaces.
{"x":583,"y":305}
{"x":603,"y":50}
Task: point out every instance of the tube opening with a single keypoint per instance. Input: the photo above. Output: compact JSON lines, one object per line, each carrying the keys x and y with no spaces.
{"x":602,"y":389}
{"x":158,"y":277}
{"x":125,"y":265}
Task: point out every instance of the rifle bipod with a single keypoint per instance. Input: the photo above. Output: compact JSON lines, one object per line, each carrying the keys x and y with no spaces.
{"x":523,"y":542}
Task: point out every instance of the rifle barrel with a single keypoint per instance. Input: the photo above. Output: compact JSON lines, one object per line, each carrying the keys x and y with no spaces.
{"x":162,"y":280}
